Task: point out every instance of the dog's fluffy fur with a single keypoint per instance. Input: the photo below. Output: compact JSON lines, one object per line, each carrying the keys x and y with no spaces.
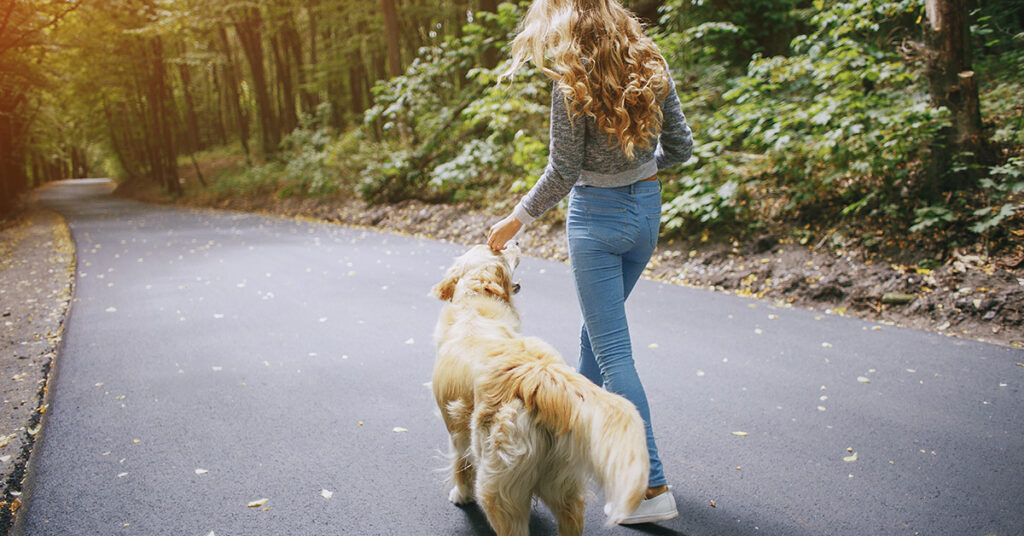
{"x":522,"y":423}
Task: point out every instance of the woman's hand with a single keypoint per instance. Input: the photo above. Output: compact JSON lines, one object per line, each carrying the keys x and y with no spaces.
{"x":502,"y":232}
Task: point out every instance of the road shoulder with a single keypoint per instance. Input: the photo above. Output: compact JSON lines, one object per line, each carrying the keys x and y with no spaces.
{"x":37,"y":259}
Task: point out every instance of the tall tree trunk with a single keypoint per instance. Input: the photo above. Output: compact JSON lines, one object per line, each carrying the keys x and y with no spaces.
{"x":391,"y":33}
{"x":232,"y":80}
{"x":952,"y":84}
{"x":220,"y":104}
{"x":160,"y":104}
{"x":194,"y":140}
{"x":490,"y":53}
{"x":286,"y":87}
{"x":250,"y":34}
{"x":292,"y":42}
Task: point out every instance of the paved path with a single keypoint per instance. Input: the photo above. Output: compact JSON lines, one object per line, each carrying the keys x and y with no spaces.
{"x":215,"y":358}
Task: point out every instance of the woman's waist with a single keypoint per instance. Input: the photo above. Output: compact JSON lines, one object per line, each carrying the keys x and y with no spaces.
{"x":614,"y":179}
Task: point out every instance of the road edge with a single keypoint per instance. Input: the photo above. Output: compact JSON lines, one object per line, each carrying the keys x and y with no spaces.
{"x":12,"y":518}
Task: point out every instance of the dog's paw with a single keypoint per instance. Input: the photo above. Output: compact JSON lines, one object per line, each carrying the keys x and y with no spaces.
{"x":459,"y":497}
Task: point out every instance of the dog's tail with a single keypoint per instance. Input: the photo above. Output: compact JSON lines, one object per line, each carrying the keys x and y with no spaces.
{"x":608,"y":429}
{"x":618,"y":450}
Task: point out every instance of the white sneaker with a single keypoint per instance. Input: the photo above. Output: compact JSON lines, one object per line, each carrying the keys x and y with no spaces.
{"x":658,"y":508}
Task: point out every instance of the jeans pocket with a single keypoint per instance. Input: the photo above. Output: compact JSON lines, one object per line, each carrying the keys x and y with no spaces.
{"x":654,"y":225}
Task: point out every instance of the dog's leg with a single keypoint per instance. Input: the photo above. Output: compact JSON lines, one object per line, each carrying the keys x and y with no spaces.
{"x":457,"y":418}
{"x":507,"y":508}
{"x":568,"y":506}
{"x":463,"y":472}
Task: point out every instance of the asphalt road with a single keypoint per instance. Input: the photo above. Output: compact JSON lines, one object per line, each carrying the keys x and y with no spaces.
{"x":212,"y":359}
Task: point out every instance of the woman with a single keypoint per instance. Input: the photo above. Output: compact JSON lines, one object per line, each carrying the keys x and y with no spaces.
{"x":615,"y":121}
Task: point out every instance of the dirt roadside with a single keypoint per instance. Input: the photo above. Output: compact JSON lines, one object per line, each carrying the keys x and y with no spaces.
{"x":971,"y":296}
{"x":36,"y":277}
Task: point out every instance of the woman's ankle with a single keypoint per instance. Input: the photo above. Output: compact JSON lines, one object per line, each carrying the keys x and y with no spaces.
{"x":654,"y":491}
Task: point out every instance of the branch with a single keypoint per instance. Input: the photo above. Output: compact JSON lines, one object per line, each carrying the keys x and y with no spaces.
{"x":21,"y":40}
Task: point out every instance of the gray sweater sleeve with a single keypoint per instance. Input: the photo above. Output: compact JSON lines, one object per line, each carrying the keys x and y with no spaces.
{"x":565,"y":162}
{"x":675,"y":145}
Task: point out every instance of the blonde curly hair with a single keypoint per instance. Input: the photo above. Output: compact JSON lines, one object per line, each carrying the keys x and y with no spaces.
{"x":602,"y":61}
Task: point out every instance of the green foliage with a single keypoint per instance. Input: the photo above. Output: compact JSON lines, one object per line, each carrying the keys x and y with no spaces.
{"x":838,"y":127}
{"x":449,"y":130}
{"x":308,"y":169}
{"x":831,"y":127}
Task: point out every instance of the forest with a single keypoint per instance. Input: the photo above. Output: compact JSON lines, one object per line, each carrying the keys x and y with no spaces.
{"x":877,"y":117}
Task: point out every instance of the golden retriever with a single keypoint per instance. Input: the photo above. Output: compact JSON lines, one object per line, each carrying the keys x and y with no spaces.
{"x":522,"y":423}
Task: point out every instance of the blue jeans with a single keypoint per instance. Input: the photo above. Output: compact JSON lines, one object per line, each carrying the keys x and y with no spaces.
{"x":612,"y":233}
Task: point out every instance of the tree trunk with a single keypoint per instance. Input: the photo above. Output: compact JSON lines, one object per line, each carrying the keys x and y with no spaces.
{"x":952,"y":84}
{"x":286,"y":87}
{"x":490,"y":53}
{"x":250,"y":34}
{"x":220,"y":104}
{"x":160,"y":102}
{"x":232,"y":80}
{"x":194,"y":140}
{"x":292,"y":42}
{"x":391,"y":33}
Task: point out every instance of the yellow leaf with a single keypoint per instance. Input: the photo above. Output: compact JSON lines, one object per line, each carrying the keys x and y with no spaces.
{"x":398,"y":430}
{"x":257,"y":503}
{"x":850,"y":458}
{"x":740,"y":434}
{"x":326,"y":494}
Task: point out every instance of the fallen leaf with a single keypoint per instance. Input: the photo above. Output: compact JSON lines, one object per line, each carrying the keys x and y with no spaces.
{"x":713,"y":504}
{"x":850,"y":458}
{"x":257,"y":503}
{"x":5,"y":459}
{"x":863,"y":379}
{"x":410,"y":341}
{"x":826,"y":345}
{"x":326,"y":494}
{"x":759,"y":331}
{"x":740,"y":434}
{"x":398,"y":430}
{"x":201,"y":471}
{"x":217,"y":369}
{"x":122,"y":475}
{"x":111,"y":309}
{"x":653,"y":345}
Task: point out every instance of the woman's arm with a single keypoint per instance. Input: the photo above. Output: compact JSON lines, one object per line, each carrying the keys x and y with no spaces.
{"x":565,"y":163}
{"x":675,"y":145}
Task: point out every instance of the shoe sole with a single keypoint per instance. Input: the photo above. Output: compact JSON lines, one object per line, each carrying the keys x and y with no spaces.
{"x":649,"y":519}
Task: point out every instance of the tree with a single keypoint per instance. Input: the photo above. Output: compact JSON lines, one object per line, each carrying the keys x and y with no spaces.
{"x":23,"y":46}
{"x":952,"y":84}
{"x":391,"y":32}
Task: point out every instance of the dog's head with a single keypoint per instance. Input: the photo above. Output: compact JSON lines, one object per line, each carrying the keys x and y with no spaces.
{"x":481,"y":271}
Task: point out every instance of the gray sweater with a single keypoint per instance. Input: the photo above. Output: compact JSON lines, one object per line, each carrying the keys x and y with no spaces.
{"x":581,"y":154}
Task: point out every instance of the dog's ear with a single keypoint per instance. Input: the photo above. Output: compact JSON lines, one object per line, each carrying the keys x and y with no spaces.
{"x":497,"y":283}
{"x":446,"y":288}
